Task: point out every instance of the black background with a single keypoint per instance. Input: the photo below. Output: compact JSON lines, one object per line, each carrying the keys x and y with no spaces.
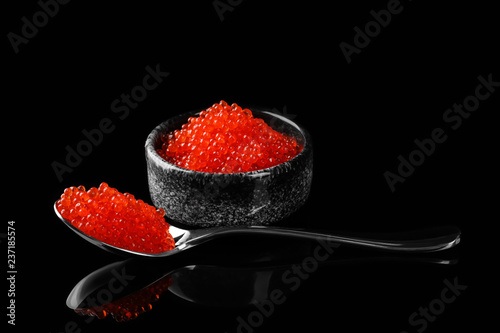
{"x":276,"y":55}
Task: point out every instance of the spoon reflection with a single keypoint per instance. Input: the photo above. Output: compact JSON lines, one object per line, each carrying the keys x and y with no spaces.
{"x":127,"y":289}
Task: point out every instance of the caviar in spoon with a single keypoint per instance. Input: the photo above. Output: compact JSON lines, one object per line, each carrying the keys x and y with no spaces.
{"x":115,"y":218}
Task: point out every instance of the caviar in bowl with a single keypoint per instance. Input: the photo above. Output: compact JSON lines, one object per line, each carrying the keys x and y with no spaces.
{"x":202,"y":199}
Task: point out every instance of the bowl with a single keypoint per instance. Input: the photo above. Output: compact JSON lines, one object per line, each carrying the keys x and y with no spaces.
{"x":200,"y":199}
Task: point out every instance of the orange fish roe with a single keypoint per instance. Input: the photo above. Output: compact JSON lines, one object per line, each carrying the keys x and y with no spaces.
{"x":116,"y":218}
{"x":227,"y":139}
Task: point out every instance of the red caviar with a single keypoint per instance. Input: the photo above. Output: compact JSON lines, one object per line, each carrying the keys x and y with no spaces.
{"x":116,"y":218}
{"x":227,"y":139}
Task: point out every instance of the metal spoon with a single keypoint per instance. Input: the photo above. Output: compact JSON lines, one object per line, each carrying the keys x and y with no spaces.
{"x":432,"y":240}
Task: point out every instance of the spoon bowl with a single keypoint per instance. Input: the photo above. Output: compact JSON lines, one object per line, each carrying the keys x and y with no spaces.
{"x":430,"y":240}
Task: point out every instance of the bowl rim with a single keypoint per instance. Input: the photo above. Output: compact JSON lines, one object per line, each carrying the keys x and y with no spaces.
{"x":151,"y":151}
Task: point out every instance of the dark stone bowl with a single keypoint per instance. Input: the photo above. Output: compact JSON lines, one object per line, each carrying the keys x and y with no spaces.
{"x":200,"y":199}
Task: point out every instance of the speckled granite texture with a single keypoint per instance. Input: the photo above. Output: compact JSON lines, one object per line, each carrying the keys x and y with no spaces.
{"x":199,"y":199}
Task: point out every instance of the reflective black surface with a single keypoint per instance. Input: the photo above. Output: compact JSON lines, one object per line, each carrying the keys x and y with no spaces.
{"x":89,"y":83}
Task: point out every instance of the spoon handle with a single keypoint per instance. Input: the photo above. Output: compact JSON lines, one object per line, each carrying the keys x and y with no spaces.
{"x":427,"y":240}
